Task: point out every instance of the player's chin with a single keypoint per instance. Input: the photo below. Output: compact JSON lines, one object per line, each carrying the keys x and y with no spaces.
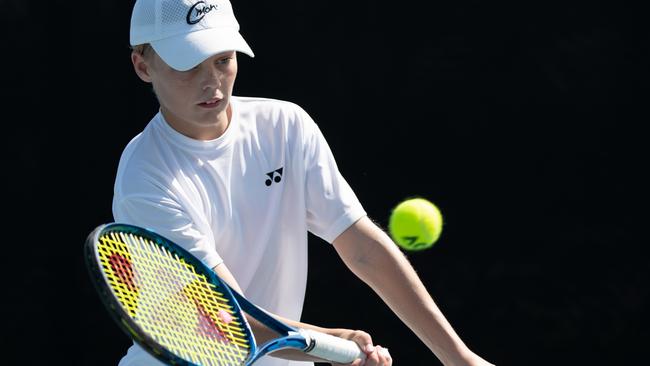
{"x":207,"y":117}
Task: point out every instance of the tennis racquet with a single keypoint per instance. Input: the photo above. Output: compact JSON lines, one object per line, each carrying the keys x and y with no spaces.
{"x":180,"y":311}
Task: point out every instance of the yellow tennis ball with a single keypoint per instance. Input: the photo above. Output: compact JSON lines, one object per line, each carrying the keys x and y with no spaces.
{"x":415,"y":224}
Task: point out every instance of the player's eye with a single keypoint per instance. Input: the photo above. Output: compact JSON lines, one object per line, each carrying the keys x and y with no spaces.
{"x":224,"y":61}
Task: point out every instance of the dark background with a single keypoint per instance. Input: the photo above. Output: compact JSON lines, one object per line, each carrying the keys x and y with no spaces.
{"x":524,"y":122}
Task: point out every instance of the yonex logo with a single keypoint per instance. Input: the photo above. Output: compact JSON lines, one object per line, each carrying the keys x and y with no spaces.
{"x":274,"y":176}
{"x":198,"y":11}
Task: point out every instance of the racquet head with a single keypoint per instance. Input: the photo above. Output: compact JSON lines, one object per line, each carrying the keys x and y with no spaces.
{"x":168,"y":301}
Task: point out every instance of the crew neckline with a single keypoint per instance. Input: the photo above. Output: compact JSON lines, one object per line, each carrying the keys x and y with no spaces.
{"x":201,"y":145}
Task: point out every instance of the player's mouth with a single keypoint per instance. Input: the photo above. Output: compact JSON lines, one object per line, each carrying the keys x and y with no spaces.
{"x":212,"y":103}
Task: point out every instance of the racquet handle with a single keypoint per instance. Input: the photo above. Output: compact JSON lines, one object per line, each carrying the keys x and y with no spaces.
{"x":331,"y":348}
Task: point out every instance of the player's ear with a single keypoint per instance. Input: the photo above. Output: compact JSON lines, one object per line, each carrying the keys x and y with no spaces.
{"x":141,"y":66}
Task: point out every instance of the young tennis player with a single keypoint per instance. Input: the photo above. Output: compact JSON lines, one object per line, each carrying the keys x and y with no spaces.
{"x":240,"y":181}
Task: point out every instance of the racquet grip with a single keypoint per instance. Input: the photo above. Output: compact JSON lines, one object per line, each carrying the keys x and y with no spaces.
{"x":331,"y":348}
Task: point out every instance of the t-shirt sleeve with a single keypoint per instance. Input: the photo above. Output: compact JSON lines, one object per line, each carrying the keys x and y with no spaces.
{"x":332,"y":205}
{"x":167,"y":218}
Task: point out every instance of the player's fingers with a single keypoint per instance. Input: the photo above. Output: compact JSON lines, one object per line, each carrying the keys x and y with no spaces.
{"x":379,"y":357}
{"x":385,"y":356}
{"x":361,"y":338}
{"x":364,"y":340}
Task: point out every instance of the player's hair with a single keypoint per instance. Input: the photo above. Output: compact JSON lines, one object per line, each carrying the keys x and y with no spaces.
{"x":143,"y":49}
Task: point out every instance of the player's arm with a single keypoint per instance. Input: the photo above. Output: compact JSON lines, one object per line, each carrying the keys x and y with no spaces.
{"x":373,"y":257}
{"x":375,"y":355}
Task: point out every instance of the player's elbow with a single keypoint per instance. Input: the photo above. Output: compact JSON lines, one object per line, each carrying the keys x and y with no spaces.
{"x":368,"y":259}
{"x":366,"y":249}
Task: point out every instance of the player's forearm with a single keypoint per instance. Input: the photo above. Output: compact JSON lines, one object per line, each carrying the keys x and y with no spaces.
{"x":378,"y":262}
{"x":400,"y":288}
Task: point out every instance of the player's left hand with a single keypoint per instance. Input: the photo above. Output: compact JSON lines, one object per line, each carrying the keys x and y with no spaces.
{"x":378,"y":357}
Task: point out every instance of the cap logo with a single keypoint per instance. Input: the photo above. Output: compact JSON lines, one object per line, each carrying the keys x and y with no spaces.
{"x":198,"y":11}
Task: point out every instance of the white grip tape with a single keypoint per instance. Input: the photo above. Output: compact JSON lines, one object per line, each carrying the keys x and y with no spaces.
{"x":331,"y":348}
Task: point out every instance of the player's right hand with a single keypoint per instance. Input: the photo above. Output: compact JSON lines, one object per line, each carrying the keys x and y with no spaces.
{"x":375,"y":355}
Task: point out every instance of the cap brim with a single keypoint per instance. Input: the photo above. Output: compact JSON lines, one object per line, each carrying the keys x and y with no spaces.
{"x":185,"y":51}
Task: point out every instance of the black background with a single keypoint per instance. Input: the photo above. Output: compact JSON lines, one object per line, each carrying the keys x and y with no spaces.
{"x":524,"y":122}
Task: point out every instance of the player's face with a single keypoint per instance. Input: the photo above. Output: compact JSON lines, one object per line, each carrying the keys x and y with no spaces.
{"x":195,"y":102}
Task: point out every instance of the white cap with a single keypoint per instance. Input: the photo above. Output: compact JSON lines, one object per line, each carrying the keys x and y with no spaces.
{"x":186,"y":32}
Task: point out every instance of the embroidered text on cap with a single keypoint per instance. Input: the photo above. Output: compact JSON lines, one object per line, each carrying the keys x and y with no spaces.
{"x":196,"y":12}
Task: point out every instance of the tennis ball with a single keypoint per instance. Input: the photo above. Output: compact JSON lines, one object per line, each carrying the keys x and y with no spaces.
{"x":415,"y":224}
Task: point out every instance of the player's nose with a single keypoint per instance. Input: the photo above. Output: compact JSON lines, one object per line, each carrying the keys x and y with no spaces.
{"x":211,"y":77}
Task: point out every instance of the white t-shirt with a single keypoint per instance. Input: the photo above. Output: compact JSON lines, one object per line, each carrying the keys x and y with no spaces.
{"x":247,"y":199}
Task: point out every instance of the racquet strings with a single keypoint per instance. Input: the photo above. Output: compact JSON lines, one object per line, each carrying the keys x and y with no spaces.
{"x":172,"y":303}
